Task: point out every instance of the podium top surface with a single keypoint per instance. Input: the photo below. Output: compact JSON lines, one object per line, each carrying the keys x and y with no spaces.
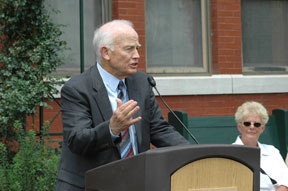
{"x":152,"y":169}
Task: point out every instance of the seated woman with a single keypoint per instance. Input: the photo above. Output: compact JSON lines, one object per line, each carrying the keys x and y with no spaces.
{"x":251,"y":118}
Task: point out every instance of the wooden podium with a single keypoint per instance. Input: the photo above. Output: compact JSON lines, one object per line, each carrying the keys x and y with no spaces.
{"x":181,"y":168}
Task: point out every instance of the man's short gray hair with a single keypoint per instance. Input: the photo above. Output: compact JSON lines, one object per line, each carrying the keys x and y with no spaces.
{"x":105,"y":38}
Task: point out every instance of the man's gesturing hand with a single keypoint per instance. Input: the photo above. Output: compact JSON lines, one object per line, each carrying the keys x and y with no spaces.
{"x":122,"y":117}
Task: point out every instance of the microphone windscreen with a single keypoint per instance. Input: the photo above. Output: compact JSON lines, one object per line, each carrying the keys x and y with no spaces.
{"x":151,"y":81}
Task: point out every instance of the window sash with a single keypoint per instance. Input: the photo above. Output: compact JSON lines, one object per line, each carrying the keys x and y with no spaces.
{"x":200,"y":65}
{"x":81,"y":18}
{"x":264,"y":36}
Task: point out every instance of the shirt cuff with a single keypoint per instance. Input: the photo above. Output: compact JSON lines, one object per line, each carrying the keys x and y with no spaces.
{"x":114,"y":137}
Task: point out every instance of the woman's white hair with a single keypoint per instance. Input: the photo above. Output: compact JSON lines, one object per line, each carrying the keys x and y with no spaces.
{"x":251,"y":107}
{"x":105,"y":37}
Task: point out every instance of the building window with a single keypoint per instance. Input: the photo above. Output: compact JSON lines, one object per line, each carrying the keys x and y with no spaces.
{"x":265,"y":36}
{"x":176,"y":36}
{"x":81,"y":18}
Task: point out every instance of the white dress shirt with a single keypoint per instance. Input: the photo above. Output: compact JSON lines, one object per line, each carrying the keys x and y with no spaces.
{"x":111,"y":83}
{"x":273,"y":164}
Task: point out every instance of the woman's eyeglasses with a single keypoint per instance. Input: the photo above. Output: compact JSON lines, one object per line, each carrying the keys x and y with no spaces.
{"x":248,"y":124}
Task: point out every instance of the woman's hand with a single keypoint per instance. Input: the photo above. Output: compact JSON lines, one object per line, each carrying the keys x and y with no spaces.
{"x":282,"y":188}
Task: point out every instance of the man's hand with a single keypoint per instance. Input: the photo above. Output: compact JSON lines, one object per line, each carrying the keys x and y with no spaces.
{"x":122,"y":117}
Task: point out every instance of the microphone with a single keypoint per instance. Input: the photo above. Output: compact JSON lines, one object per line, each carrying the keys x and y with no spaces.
{"x":152,"y":82}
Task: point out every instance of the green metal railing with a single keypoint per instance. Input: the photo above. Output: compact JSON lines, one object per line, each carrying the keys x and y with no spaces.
{"x":81,"y":22}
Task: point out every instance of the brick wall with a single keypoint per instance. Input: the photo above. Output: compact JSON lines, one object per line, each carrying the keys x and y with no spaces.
{"x":135,"y":12}
{"x":226,"y":59}
{"x":226,"y":36}
{"x":221,"y":105}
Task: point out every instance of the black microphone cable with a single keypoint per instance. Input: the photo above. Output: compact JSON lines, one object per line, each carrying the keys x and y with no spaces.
{"x":153,"y":84}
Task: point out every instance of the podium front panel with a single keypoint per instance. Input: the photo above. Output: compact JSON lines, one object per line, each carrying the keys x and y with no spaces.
{"x":153,"y":170}
{"x":213,"y":174}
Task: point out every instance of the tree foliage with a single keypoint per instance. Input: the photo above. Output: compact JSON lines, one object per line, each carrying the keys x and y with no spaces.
{"x":34,"y":167}
{"x":29,"y":53}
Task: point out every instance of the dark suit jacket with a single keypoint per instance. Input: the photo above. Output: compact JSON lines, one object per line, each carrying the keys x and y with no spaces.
{"x":86,"y":111}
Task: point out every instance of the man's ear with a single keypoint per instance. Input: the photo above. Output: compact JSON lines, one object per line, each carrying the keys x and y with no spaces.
{"x":105,"y":53}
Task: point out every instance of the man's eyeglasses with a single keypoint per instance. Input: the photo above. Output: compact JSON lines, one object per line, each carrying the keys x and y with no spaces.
{"x":248,"y":124}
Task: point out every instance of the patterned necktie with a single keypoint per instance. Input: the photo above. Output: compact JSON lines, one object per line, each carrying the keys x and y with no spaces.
{"x":125,"y":145}
{"x":120,"y":90}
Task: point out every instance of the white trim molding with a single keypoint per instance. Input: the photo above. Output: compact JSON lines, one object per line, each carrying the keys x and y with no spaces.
{"x":222,"y":84}
{"x":219,"y":84}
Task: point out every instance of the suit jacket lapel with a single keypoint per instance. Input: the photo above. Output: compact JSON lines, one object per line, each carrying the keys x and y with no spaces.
{"x":100,"y":94}
{"x":134,"y":93}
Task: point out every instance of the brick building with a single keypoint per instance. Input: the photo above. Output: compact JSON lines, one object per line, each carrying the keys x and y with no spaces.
{"x":207,"y":57}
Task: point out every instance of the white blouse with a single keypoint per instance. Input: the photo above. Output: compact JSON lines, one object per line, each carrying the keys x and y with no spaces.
{"x":273,"y":164}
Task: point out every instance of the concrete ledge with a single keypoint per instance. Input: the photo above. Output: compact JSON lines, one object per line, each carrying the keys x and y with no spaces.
{"x":260,"y":84}
{"x":222,"y":84}
{"x":219,"y":84}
